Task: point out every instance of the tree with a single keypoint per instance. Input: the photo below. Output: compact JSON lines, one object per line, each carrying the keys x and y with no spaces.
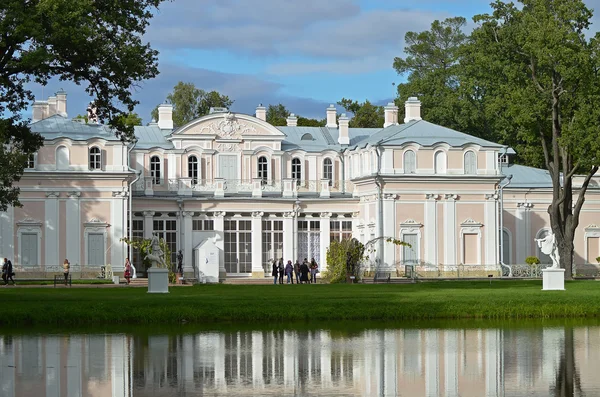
{"x":131,"y":119}
{"x":365,"y":115}
{"x":344,"y":259}
{"x":542,"y":70}
{"x":277,"y":115}
{"x":306,"y":122}
{"x":87,"y":42}
{"x":190,"y":102}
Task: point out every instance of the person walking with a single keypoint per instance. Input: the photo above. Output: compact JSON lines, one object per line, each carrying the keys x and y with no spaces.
{"x":281,"y":270}
{"x":304,"y":272}
{"x":9,"y":272}
{"x":66,"y":266}
{"x":289,"y":271}
{"x":275,"y":272}
{"x":4,"y":270}
{"x":297,"y":271}
{"x":127,"y":272}
{"x":314,"y":269}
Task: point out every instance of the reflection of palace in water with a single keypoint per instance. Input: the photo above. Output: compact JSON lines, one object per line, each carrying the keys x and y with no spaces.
{"x":432,"y":362}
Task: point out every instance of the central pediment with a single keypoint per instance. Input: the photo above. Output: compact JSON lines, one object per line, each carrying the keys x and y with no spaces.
{"x":229,"y":125}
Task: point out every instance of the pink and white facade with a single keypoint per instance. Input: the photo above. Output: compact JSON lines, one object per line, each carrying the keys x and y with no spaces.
{"x":256,"y":192}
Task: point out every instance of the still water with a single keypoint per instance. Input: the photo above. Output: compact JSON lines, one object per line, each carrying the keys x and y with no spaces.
{"x":535,"y":361}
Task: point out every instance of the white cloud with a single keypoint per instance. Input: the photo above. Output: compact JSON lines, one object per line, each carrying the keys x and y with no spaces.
{"x":351,"y":66}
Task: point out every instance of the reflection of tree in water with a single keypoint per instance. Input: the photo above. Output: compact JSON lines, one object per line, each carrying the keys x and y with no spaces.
{"x":567,"y":376}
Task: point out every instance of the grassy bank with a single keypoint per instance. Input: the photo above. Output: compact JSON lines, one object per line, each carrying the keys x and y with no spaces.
{"x":268,"y":304}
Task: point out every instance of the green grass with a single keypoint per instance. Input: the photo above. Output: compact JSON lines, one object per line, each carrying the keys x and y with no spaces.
{"x":271,"y":305}
{"x":74,"y":282}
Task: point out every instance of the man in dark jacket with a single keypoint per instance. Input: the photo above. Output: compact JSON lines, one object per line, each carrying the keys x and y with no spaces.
{"x":275,"y":272}
{"x":7,"y":272}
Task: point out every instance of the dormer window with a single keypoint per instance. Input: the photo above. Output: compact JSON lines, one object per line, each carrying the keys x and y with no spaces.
{"x":155,"y":170}
{"x":193,"y":169}
{"x":328,"y":170}
{"x":297,"y":170}
{"x":263,"y":168}
{"x":95,"y":158}
{"x":410,"y":162}
{"x":470,"y":163}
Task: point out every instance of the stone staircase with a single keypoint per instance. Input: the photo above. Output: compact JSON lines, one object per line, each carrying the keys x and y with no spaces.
{"x":139,"y":282}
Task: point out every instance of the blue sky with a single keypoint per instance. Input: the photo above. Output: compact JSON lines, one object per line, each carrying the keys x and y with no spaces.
{"x":305,"y":54}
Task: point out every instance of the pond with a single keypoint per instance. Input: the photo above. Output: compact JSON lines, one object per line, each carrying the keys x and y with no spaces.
{"x":530,"y":360}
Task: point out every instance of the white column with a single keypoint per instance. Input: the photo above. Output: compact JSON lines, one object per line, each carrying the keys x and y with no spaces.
{"x":450,"y":240}
{"x":491,"y":230}
{"x":451,"y":363}
{"x":51,"y":232}
{"x":523,"y":231}
{"x":325,"y":230}
{"x":117,"y":258}
{"x":290,"y":248}
{"x":257,"y":267}
{"x":219,"y":224}
{"x":389,"y":230}
{"x":73,"y":228}
{"x":430,"y":243}
{"x":492,"y":362}
{"x":148,"y":224}
{"x":172,"y":166}
{"x":432,"y":365}
{"x":187,"y":240}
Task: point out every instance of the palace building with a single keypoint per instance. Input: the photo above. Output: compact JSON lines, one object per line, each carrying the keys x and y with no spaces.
{"x":233,"y":185}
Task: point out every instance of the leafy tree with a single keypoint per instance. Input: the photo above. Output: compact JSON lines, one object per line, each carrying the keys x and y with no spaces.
{"x":190,"y":102}
{"x":365,"y":115}
{"x":144,"y":246}
{"x":277,"y":115}
{"x":305,"y":122}
{"x":344,"y":259}
{"x":542,"y":71}
{"x":87,"y":42}
{"x":131,"y":119}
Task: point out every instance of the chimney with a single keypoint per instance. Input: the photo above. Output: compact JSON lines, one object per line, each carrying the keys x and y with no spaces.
{"x":331,"y":114}
{"x":165,"y":116}
{"x":391,"y":115}
{"x":39,"y":111}
{"x":292,"y":120}
{"x":343,"y":137}
{"x":412,"y":109}
{"x":61,"y":103}
{"x":261,"y":112}
{"x":51,"y":106}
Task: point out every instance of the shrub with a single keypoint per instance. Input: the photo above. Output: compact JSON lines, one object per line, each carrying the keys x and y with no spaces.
{"x":532,"y":260}
{"x":344,"y":259}
{"x":598,"y":259}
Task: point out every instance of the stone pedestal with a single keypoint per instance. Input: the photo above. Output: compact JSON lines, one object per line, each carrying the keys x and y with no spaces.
{"x":554,"y":279}
{"x":158,"y":281}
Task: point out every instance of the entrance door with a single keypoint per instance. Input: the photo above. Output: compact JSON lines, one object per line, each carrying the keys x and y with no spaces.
{"x":96,"y":249}
{"x":228,"y":170}
{"x":29,"y":249}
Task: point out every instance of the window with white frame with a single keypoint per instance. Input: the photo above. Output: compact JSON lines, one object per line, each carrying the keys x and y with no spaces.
{"x":263,"y":168}
{"x":309,"y":240}
{"x":95,"y":158}
{"x":410,"y":253}
{"x":167,"y":229}
{"x":203,"y":225}
{"x":297,"y":170}
{"x":410,"y":162}
{"x":328,"y":170}
{"x":155,"y":170}
{"x":440,"y":162}
{"x":272,"y":241}
{"x":238,"y":246}
{"x":470,"y":163}
{"x":193,"y":169}
{"x":29,"y":249}
{"x":340,"y":230}
{"x":62,"y":158}
{"x":30,"y":164}
{"x":137,"y":235}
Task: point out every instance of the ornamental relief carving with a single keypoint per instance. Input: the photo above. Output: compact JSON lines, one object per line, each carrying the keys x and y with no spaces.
{"x":229,"y":127}
{"x":228,"y":147}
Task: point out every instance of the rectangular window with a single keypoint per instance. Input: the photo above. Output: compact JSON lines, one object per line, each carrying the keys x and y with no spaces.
{"x":138,"y":234}
{"x":167,"y":230}
{"x":29,"y":249}
{"x":340,"y":230}
{"x":238,"y":246}
{"x":200,"y":225}
{"x":272,"y":242}
{"x":309,"y":240}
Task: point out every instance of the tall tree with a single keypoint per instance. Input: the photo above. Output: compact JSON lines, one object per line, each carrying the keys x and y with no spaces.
{"x":364,"y":115}
{"x":543,"y":72}
{"x":277,"y":115}
{"x":190,"y":102}
{"x":87,"y":42}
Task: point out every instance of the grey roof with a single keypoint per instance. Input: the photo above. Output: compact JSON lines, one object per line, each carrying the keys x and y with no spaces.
{"x":323,"y":138}
{"x":152,"y":137}
{"x":58,"y":126}
{"x":524,"y":177}
{"x":424,"y":133}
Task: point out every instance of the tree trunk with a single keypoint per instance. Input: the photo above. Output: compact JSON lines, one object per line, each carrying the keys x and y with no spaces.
{"x":566,"y":249}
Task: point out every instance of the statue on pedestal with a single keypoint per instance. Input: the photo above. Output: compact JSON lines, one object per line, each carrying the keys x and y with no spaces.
{"x":180,"y":262}
{"x":156,"y":255}
{"x":548,"y":246}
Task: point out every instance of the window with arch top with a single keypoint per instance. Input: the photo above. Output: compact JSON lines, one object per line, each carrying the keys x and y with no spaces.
{"x":95,"y":158}
{"x":155,"y":170}
{"x":440,"y":162}
{"x":297,"y":170}
{"x":193,"y":169}
{"x":410,"y":162}
{"x":328,"y":170}
{"x":62,"y":158}
{"x":263,"y":168}
{"x":470,"y":163}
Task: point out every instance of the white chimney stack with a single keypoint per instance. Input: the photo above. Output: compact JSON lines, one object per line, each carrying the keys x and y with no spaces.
{"x":61,"y":103}
{"x":344,"y":137}
{"x":165,"y":116}
{"x":412,"y":109}
{"x":292,"y":120}
{"x":391,"y":115}
{"x":261,"y":112}
{"x":39,"y":111}
{"x":331,"y":115}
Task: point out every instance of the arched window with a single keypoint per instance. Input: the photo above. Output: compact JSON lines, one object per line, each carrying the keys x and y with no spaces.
{"x":62,"y":158}
{"x":155,"y":170}
{"x":470,"y":163}
{"x":263,"y":168}
{"x":95,"y":158}
{"x":506,"y":258}
{"x":410,"y":162}
{"x":440,"y":162}
{"x":297,"y":170}
{"x":544,"y":259}
{"x":193,"y":169}
{"x":328,"y":170}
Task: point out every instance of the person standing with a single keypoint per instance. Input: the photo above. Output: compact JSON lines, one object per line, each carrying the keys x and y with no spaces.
{"x":304,"y":272}
{"x":289,"y":271}
{"x":281,"y":270}
{"x":180,"y":262}
{"x":4,"y":270}
{"x":297,"y":271}
{"x":66,"y":266}
{"x":275,"y":272}
{"x":314,"y":268}
{"x":127,"y":273}
{"x":9,"y":272}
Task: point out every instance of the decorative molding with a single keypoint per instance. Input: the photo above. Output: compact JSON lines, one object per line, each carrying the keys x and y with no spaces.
{"x":492,"y":196}
{"x":187,"y":213}
{"x":525,"y":205}
{"x":148,"y":213}
{"x":469,"y":222}
{"x":430,"y":196}
{"x":356,"y":214}
{"x":289,"y":214}
{"x":219,"y":214}
{"x":52,"y":194}
{"x":29,"y":222}
{"x":229,"y":128}
{"x":453,"y":197}
{"x":74,"y":194}
{"x":390,"y":196}
{"x":120,"y":194}
{"x":96,"y":224}
{"x":228,"y":147}
{"x":411,"y":223}
{"x":326,"y":214}
{"x":257,"y":214}
{"x":592,"y":227}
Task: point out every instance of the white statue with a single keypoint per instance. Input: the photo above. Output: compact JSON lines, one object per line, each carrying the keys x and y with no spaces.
{"x":548,"y":246}
{"x":156,"y":254}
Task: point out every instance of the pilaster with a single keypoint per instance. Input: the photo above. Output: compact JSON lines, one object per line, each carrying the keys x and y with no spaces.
{"x":257,"y":266}
{"x":389,"y":226}
{"x":187,"y":241}
{"x":148,"y":224}
{"x":523,"y":231}
{"x":450,"y":240}
{"x":490,"y":220}
{"x":51,"y":231}
{"x":290,"y":239}
{"x":430,"y":243}
{"x":325,"y":238}
{"x":219,"y":224}
{"x":73,"y":236}
{"x":117,"y":250}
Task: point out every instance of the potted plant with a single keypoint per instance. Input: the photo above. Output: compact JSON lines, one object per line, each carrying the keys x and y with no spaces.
{"x":532,"y":260}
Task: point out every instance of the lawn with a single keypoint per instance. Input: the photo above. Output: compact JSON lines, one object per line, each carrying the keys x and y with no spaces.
{"x":274,"y":304}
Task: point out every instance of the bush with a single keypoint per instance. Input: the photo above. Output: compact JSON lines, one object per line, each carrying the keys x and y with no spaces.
{"x":598,"y":259}
{"x":532,"y":260}
{"x":344,"y":259}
